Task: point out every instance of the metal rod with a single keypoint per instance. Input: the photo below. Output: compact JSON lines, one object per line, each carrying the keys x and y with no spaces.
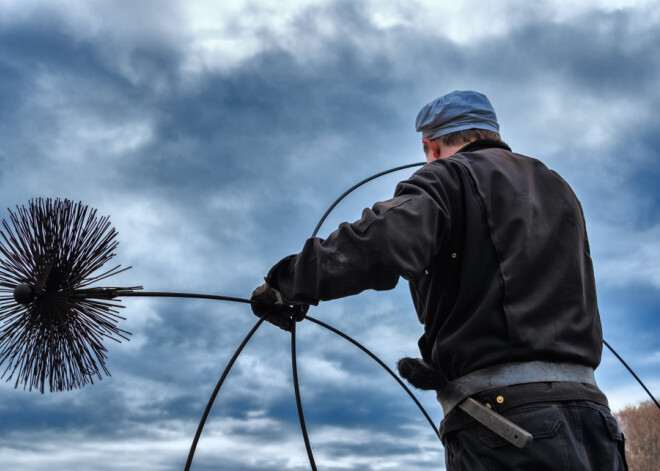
{"x":209,"y":405}
{"x":380,"y":362}
{"x":632,"y":373}
{"x":164,"y":294}
{"x":355,"y":187}
{"x":296,"y":388}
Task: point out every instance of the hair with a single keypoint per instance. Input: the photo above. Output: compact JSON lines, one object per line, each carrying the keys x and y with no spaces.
{"x":468,"y":135}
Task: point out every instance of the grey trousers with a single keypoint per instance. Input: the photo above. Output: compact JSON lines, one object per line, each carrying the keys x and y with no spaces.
{"x":568,"y":435}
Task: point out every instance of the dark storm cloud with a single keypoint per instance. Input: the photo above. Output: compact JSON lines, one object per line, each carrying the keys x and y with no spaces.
{"x":598,"y":53}
{"x":644,"y":177}
{"x":12,"y":91}
{"x":237,"y":126}
{"x":31,"y":52}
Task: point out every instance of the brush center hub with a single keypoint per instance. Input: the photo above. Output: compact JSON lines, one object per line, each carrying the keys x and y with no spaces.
{"x":24,"y":293}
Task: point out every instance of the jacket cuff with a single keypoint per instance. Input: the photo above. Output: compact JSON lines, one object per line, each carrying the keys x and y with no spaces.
{"x":282,"y":278}
{"x":271,"y":277}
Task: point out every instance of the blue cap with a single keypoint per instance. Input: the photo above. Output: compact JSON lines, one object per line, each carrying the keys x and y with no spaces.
{"x":456,"y":111}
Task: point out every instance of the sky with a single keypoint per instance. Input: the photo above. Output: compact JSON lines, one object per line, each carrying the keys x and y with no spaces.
{"x":216,"y":133}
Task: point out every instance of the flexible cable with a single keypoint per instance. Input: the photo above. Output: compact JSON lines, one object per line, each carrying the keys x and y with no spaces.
{"x":294,"y":365}
{"x":164,"y":294}
{"x":211,"y":400}
{"x":296,"y":389}
{"x":293,"y":340}
{"x":355,"y":187}
{"x":632,"y":373}
{"x":214,"y":394}
{"x":380,"y":362}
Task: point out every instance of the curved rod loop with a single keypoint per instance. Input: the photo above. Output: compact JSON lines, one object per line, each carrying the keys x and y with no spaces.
{"x":632,"y":373}
{"x":294,"y":356}
{"x":294,"y":370}
{"x":209,"y":405}
{"x":296,"y":388}
{"x":380,"y":362}
{"x":358,"y":185}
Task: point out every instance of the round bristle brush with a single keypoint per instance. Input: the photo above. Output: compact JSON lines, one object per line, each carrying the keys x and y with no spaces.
{"x":52,"y":322}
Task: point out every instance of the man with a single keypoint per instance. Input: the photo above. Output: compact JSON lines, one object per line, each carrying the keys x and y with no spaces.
{"x":495,"y":249}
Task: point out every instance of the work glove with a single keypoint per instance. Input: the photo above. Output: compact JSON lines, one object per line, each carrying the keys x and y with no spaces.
{"x":421,"y":374}
{"x":267,"y":302}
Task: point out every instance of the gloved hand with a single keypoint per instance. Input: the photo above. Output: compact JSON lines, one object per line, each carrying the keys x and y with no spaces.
{"x":268,"y":302}
{"x":420,"y":374}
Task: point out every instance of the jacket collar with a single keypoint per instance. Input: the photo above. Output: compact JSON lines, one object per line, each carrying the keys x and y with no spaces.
{"x":483,"y":144}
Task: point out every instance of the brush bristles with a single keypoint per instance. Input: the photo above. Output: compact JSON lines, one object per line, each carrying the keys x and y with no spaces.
{"x":56,"y":247}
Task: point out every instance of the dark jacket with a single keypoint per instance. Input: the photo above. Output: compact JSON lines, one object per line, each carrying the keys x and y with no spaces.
{"x":495,"y":248}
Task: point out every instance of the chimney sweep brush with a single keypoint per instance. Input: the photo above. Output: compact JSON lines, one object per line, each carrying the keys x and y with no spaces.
{"x":52,"y":322}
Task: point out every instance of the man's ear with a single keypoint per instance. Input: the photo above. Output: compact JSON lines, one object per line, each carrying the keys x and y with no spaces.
{"x":433,"y":147}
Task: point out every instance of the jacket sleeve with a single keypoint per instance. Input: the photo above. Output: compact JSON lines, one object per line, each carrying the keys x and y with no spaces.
{"x":397,"y":237}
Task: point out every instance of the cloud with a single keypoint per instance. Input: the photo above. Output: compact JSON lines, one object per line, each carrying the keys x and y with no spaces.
{"x":40,"y":450}
{"x":627,"y":256}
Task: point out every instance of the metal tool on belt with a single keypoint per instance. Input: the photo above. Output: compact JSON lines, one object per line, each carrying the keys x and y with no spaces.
{"x":491,"y":419}
{"x":457,"y":393}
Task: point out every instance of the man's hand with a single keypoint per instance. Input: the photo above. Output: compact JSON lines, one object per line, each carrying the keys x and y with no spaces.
{"x":420,"y":374}
{"x":267,"y":302}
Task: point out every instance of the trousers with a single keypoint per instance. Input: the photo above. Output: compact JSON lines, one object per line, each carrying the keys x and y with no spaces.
{"x":568,"y":435}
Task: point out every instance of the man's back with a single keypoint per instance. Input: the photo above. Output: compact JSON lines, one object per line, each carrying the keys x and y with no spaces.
{"x":512,"y":280}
